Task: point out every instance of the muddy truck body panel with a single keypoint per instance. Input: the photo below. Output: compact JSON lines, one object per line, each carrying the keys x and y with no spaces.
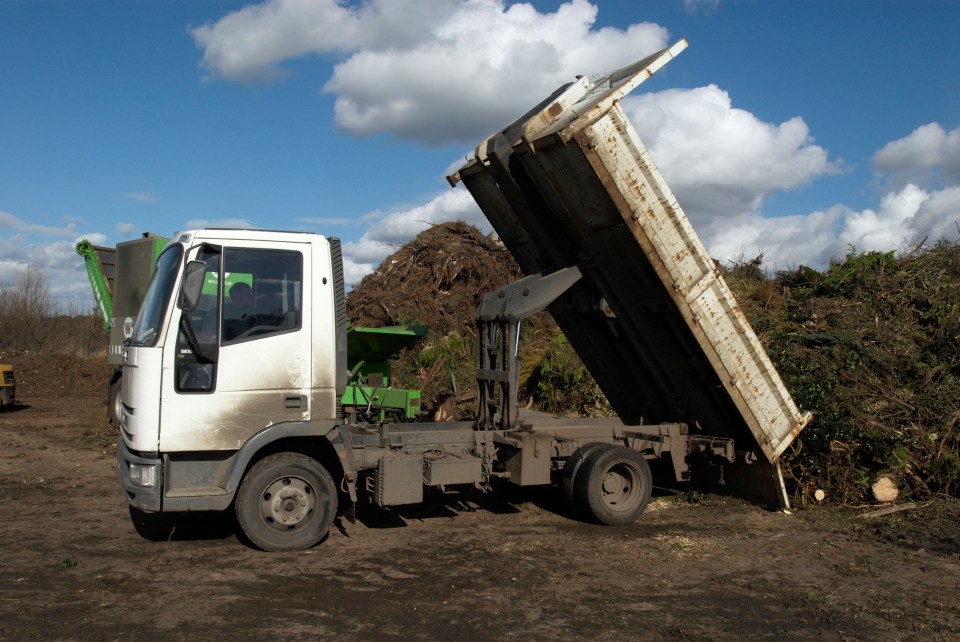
{"x":571,"y":184}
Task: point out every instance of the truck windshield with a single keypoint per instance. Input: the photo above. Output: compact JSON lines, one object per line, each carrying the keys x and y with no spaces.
{"x":146,"y":330}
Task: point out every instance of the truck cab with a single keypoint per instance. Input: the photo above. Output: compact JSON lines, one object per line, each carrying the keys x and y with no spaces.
{"x":209,"y":382}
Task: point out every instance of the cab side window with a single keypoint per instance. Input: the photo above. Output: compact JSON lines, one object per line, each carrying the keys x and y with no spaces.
{"x":196,"y":372}
{"x":262,"y":293}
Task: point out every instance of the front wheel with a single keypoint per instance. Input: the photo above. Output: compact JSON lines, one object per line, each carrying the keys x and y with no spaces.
{"x":286,"y":502}
{"x":614,"y":485}
{"x":114,"y":404}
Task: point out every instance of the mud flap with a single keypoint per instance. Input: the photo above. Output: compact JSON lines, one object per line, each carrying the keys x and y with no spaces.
{"x":759,"y":482}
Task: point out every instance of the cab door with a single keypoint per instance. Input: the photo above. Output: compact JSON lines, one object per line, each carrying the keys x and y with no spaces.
{"x":248,"y":364}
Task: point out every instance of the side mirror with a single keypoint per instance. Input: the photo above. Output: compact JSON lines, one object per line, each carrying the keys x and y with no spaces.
{"x":192,"y":285}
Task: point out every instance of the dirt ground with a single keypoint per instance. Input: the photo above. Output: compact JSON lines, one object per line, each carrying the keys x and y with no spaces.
{"x":516,"y":566}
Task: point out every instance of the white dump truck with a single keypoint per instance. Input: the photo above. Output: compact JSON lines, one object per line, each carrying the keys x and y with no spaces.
{"x":238,"y":404}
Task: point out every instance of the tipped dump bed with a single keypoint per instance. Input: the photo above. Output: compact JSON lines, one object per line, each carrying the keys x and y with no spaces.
{"x":571,"y":183}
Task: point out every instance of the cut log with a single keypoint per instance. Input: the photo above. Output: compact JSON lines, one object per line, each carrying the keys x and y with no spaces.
{"x":885,"y":489}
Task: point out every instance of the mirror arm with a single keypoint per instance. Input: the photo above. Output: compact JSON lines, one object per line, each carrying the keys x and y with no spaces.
{"x":187,"y":328}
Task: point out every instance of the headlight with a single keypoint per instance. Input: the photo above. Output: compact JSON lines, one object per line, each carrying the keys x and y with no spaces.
{"x":143,"y":475}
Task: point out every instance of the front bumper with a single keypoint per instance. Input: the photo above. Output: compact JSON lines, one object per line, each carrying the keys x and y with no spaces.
{"x":146,"y":498}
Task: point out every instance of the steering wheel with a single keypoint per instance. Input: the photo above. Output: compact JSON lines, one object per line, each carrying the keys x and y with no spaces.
{"x":253,"y":330}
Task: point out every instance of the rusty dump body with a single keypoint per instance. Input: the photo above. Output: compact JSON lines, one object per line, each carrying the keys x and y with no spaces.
{"x":571,"y":184}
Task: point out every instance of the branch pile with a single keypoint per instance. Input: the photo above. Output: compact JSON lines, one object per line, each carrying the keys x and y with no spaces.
{"x":437,"y":280}
{"x":871,"y":346}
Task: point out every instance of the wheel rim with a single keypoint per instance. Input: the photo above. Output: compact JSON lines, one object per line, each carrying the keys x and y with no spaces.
{"x":117,"y":409}
{"x":620,"y":489}
{"x":288,"y":503}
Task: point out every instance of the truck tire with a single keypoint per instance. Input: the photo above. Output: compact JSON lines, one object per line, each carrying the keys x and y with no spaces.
{"x":613,"y":485}
{"x":568,"y":477}
{"x":113,"y":403}
{"x":286,"y":502}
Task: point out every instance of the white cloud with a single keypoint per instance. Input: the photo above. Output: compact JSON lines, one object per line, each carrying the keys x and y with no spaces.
{"x":722,"y":161}
{"x":200,"y":223}
{"x":385,"y":233}
{"x":909,"y":212}
{"x":887,"y":226}
{"x":248,"y":44}
{"x":450,"y":205}
{"x":60,"y":264}
{"x":11,"y":222}
{"x":95,"y":238}
{"x":9,"y":244}
{"x":125,"y":229}
{"x":928,"y":152}
{"x":901,"y":218}
{"x":326,"y":221}
{"x":353,"y":272}
{"x":56,"y":255}
{"x":141,"y":197}
{"x":938,"y":216}
{"x":693,"y":7}
{"x":8,"y":272}
{"x":368,"y":251}
{"x":787,"y":241}
{"x":438,"y":72}
{"x":57,"y":260}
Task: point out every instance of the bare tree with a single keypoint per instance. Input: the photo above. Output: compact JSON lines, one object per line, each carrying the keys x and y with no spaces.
{"x":24,"y":309}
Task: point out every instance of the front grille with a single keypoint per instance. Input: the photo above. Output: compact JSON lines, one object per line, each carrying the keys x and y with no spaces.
{"x":8,"y":377}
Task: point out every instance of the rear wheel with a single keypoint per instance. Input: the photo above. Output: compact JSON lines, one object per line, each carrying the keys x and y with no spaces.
{"x":614,"y":485}
{"x":286,"y":502}
{"x":571,"y":468}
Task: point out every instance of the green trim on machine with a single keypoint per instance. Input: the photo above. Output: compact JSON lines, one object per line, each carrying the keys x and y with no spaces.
{"x":102,"y":291}
{"x":368,"y":391}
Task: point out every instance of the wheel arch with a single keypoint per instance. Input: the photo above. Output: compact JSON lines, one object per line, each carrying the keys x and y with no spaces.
{"x":321,"y":443}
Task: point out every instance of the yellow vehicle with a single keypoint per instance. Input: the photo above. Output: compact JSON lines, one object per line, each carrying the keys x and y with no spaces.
{"x":8,"y":387}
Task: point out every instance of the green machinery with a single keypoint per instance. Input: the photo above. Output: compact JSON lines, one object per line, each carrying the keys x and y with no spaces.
{"x":368,"y":393}
{"x":101,"y":268}
{"x":120,"y":277}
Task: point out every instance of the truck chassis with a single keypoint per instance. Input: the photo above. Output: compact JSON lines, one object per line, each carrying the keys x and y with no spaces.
{"x":288,"y":482}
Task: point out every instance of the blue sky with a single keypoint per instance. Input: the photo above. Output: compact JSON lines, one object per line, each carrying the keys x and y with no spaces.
{"x":788,"y":129}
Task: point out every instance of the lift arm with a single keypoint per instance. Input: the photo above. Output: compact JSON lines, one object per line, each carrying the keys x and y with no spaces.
{"x":94,"y":258}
